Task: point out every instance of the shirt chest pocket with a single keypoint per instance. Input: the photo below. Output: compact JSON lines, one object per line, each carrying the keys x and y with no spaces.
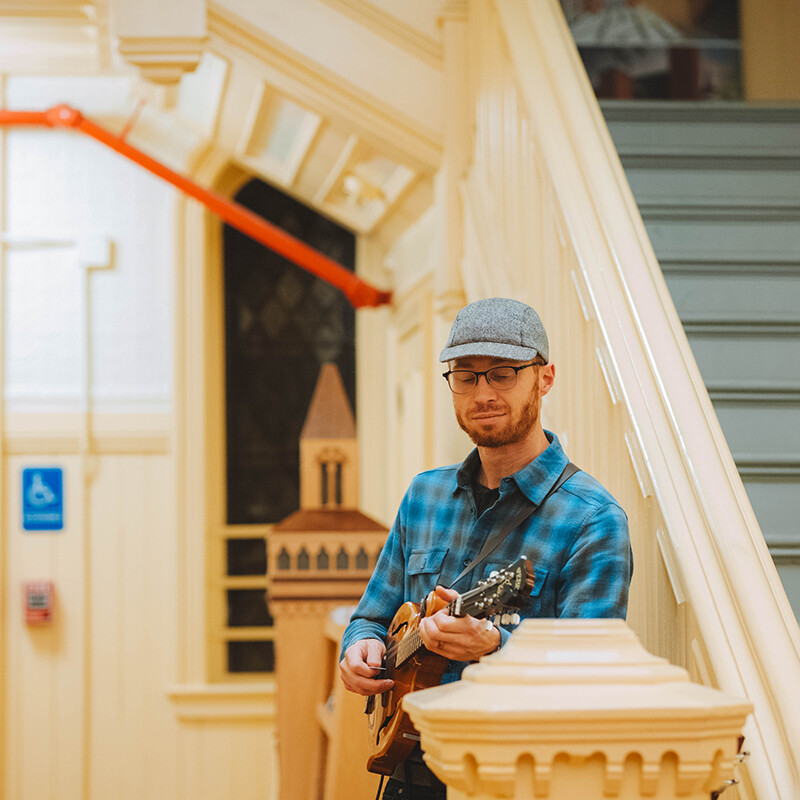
{"x":423,"y":569}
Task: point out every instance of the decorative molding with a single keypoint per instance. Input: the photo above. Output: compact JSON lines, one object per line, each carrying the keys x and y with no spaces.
{"x":285,"y":172}
{"x":389,"y":27}
{"x":81,"y":11}
{"x":667,"y":549}
{"x":62,"y":434}
{"x":251,"y":702}
{"x":350,"y":153}
{"x":323,"y":92}
{"x":582,"y":291}
{"x":57,"y":46}
{"x":701,"y":663}
{"x":609,"y":373}
{"x":639,"y":465}
{"x":162,"y":59}
{"x":454,"y":10}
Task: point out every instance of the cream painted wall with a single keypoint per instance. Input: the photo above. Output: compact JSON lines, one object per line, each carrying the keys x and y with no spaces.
{"x":74,"y":204}
{"x":770,"y":56}
{"x":99,"y":704}
{"x":86,"y":695}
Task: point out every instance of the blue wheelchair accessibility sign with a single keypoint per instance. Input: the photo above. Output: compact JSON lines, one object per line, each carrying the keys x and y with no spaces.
{"x":42,"y":499}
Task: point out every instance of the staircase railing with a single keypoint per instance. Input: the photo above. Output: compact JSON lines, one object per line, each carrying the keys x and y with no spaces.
{"x":549,"y":216}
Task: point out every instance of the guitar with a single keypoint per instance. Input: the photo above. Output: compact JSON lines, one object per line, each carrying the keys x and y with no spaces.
{"x":412,"y":666}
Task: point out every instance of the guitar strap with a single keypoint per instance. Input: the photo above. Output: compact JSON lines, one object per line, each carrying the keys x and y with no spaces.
{"x":495,"y":538}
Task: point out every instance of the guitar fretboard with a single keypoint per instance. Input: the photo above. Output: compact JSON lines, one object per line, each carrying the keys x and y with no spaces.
{"x":409,"y":644}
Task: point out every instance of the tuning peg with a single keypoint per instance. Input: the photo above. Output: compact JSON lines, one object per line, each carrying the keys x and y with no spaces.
{"x":505,"y":619}
{"x":494,"y":573}
{"x":515,"y":619}
{"x":496,"y":619}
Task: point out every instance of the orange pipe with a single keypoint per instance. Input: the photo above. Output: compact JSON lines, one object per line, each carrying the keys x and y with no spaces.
{"x":357,"y":291}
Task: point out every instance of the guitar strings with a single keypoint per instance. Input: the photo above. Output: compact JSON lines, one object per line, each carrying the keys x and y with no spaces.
{"x":466,"y":597}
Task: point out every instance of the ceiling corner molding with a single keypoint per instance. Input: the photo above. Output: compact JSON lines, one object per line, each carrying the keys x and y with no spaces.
{"x":163,"y":39}
{"x":162,"y":59}
{"x":50,"y":36}
{"x":389,"y":27}
{"x":325,"y":92}
{"x":65,"y":10}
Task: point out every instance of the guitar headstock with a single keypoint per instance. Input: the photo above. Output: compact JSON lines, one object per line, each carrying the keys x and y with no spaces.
{"x":503,"y":591}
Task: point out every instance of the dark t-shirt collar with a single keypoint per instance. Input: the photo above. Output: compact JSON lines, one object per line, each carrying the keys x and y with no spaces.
{"x":534,"y":480}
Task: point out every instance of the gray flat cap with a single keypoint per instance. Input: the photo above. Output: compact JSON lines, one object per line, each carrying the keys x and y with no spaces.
{"x":497,"y":327}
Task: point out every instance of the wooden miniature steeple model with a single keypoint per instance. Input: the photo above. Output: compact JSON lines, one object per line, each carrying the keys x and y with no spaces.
{"x":320,"y":557}
{"x":328,"y":447}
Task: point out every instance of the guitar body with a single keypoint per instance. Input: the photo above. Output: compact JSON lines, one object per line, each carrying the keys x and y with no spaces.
{"x":412,"y":666}
{"x":392,"y":736}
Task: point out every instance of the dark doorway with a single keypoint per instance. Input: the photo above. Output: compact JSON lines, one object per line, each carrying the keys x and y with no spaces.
{"x":281,"y":325}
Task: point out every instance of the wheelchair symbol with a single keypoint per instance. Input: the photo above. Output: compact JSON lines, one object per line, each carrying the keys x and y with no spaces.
{"x":39,"y":493}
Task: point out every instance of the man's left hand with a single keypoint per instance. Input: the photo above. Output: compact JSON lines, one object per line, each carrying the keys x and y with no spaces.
{"x":457,"y":638}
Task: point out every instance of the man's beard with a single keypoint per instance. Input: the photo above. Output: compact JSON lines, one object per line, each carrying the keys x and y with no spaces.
{"x":515,"y":430}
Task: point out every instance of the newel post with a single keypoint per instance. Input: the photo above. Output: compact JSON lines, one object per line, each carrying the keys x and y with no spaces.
{"x":578,"y":709}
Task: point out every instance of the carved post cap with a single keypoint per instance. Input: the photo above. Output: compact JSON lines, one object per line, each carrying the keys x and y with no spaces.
{"x":577,"y":709}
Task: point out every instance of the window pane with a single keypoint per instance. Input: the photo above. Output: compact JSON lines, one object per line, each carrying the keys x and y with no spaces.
{"x":248,"y":607}
{"x":247,"y":556}
{"x":251,"y":657}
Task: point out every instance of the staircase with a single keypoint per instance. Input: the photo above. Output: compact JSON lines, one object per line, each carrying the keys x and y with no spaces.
{"x":718,"y":187}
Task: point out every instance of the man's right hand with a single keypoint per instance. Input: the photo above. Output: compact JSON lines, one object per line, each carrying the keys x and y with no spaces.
{"x":360,"y":667}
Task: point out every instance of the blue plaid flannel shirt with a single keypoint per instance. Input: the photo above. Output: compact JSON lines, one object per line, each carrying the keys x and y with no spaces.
{"x":577,"y":542}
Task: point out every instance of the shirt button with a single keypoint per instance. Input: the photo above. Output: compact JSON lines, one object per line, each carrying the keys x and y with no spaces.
{"x":466,"y":561}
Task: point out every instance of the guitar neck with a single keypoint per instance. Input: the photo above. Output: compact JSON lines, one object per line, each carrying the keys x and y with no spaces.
{"x":501,"y":592}
{"x":412,"y":643}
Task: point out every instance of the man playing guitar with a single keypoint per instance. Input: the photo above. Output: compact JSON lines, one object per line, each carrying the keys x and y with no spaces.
{"x":573,"y":531}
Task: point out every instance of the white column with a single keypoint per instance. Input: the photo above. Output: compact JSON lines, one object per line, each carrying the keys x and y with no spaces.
{"x":448,"y":288}
{"x":578,"y":709}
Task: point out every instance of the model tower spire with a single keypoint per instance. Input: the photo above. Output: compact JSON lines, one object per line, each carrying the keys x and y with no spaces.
{"x":328,"y":447}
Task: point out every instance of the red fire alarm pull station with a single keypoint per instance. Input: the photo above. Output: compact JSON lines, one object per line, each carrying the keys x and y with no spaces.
{"x":37,"y":598}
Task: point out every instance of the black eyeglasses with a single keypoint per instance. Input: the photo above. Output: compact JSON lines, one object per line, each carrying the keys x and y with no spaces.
{"x":463,"y":381}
